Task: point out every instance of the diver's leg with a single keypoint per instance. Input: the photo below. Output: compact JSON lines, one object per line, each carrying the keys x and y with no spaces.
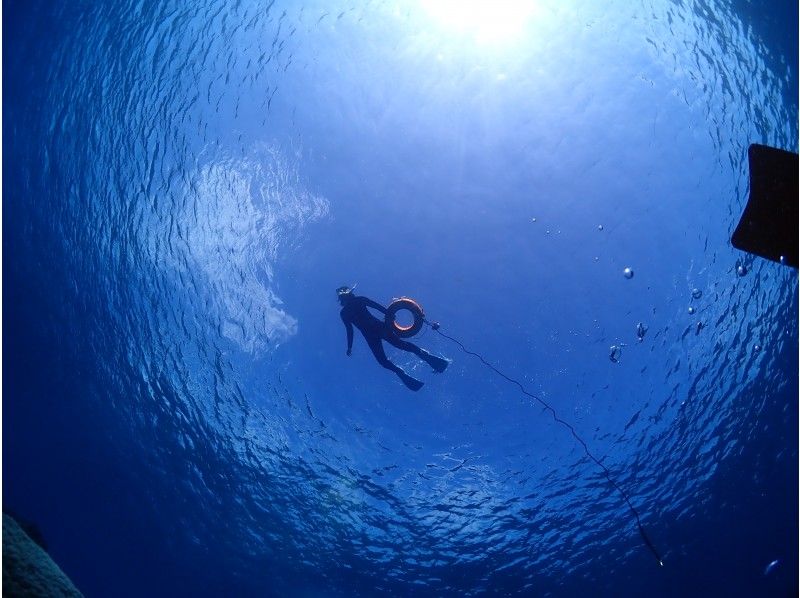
{"x":398,"y":342}
{"x":376,"y":346}
{"x":439,"y":364}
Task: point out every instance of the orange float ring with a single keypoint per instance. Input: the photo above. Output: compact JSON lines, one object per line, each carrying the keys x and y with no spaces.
{"x":409,"y":305}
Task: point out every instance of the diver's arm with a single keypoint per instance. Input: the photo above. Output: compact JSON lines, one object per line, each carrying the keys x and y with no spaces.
{"x":349,"y":327}
{"x":374,"y":305}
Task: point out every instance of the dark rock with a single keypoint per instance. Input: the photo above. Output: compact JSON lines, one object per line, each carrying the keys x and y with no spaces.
{"x":28,"y":571}
{"x":30,"y":528}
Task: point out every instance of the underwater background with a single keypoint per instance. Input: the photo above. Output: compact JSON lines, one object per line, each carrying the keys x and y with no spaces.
{"x":186,"y":184}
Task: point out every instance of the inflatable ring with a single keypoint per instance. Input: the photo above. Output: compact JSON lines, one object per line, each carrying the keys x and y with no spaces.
{"x":410,"y":305}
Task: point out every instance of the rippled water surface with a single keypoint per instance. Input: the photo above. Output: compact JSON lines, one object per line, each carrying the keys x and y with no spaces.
{"x":185,"y":185}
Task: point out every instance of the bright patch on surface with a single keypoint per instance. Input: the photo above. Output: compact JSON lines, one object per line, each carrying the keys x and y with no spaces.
{"x":488,"y":22}
{"x":241,"y":215}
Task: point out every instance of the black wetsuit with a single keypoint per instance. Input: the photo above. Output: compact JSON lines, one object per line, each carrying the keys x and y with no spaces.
{"x":355,"y":313}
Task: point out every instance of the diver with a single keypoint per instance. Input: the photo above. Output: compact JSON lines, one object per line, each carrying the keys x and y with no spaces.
{"x":354,"y":313}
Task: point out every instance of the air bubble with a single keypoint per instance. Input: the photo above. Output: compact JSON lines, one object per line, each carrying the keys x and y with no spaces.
{"x":741,"y":270}
{"x":614,"y":353}
{"x":627,"y":273}
{"x":697,"y":293}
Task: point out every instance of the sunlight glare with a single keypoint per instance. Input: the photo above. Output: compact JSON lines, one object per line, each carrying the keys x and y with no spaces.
{"x":487,"y":22}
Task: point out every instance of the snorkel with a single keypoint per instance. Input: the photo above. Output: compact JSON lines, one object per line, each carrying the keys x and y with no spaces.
{"x":345,"y":293}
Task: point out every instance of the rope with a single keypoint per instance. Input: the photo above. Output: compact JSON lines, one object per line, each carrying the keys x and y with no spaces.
{"x":645,"y":538}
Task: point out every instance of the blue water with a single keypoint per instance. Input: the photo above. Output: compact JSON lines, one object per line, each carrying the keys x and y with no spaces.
{"x":186,"y":184}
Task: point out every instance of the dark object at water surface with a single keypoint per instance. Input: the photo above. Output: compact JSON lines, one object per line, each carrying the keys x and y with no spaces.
{"x":768,"y":226}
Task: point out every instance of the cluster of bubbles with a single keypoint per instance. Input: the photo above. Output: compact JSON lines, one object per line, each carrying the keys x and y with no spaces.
{"x":615,"y":351}
{"x":696,"y":294}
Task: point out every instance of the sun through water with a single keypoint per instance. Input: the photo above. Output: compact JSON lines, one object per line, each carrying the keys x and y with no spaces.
{"x":497,"y":22}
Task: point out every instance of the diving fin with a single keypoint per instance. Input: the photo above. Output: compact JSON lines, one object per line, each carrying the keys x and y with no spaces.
{"x":768,"y":226}
{"x":411,"y":383}
{"x":439,"y":364}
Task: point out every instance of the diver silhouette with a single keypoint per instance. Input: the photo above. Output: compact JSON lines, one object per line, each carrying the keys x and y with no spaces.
{"x":354,"y":313}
